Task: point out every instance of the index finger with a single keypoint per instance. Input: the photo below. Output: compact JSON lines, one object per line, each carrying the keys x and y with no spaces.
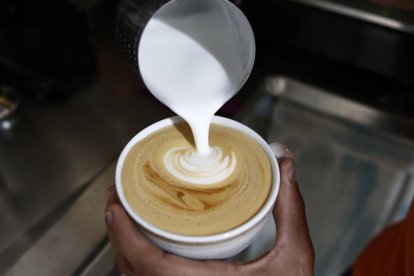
{"x":143,"y":255}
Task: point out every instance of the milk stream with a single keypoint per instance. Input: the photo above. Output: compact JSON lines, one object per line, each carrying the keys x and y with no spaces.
{"x":185,"y":63}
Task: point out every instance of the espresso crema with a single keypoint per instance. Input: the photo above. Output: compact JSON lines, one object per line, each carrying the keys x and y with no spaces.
{"x":171,"y":188}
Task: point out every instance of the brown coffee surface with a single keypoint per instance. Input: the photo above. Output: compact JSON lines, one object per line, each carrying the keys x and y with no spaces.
{"x":184,"y":208}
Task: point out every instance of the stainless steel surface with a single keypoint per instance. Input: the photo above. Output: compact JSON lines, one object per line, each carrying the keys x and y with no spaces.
{"x":9,"y":102}
{"x":73,"y":238}
{"x":102,"y":264}
{"x":365,"y":15}
{"x":132,"y":17}
{"x":58,"y":159}
{"x":329,"y":103}
{"x":356,"y":176}
{"x":56,"y":150}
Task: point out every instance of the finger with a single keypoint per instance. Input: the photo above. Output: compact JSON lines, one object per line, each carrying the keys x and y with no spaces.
{"x":124,"y":236}
{"x":177,"y":265}
{"x":289,"y":211}
{"x":121,"y":262}
{"x":112,"y":198}
{"x":135,"y":253}
{"x":123,"y":265}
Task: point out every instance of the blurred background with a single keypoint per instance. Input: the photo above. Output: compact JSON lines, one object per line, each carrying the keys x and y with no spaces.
{"x":333,"y":79}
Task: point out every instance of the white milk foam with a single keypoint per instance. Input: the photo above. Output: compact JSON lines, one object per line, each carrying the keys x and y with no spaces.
{"x":181,"y":71}
{"x":214,"y":168}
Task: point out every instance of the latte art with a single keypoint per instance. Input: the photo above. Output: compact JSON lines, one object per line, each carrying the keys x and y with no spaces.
{"x":185,"y":164}
{"x":173,"y":188}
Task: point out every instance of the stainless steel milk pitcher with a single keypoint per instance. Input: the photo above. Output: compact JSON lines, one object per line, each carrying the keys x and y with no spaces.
{"x":133,"y":16}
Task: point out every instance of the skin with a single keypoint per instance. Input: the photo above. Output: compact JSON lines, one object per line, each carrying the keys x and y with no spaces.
{"x":292,"y":253}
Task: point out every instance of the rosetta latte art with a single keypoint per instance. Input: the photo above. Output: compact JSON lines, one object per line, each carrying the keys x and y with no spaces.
{"x":173,"y":188}
{"x":186,"y":165}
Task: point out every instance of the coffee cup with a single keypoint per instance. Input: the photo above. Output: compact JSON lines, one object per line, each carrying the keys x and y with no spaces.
{"x":221,"y":245}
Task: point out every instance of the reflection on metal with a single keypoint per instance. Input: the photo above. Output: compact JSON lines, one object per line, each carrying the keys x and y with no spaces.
{"x":360,"y":14}
{"x":102,"y":264}
{"x":355,"y":170}
{"x":9,"y":101}
{"x":69,"y":243}
{"x":54,"y":151}
{"x":6,"y":124}
{"x":354,"y":180}
{"x":332,"y":104}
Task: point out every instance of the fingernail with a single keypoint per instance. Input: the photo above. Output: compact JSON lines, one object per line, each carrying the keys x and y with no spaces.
{"x":292,"y":173}
{"x":108,"y":217}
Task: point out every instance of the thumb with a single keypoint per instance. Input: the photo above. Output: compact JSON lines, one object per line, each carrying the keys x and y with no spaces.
{"x":124,"y":235}
{"x":289,"y":211}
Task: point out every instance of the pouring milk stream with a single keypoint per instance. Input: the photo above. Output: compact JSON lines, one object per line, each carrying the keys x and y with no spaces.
{"x":194,"y":62}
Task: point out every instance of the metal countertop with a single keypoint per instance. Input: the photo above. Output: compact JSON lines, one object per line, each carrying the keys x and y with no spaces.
{"x":55,"y":150}
{"x":58,"y":159}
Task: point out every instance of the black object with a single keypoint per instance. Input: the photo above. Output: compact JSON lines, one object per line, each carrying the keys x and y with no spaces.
{"x":365,"y":62}
{"x":354,"y":42}
{"x":45,"y":62}
{"x":8,"y":10}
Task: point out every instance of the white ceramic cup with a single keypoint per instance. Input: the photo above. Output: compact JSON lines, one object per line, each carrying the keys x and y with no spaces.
{"x":218,"y":246}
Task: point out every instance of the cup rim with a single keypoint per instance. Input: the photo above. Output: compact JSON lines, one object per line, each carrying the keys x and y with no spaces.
{"x":229,"y":234}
